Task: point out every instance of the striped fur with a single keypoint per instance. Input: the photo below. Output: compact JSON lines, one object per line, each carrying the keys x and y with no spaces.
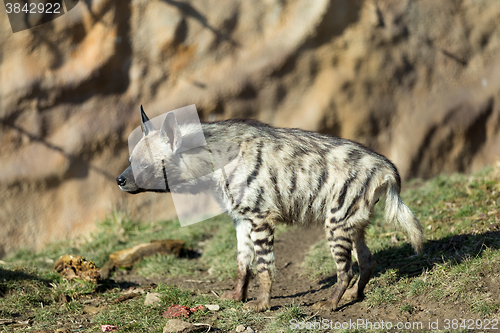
{"x":299,"y":177}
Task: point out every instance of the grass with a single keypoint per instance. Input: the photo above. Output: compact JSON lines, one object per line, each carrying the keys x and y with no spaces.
{"x":460,"y":265}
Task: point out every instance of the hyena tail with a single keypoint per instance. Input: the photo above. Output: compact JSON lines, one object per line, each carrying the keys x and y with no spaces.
{"x":397,"y":211}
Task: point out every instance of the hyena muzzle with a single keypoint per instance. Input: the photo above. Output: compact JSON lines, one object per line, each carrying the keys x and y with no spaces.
{"x":292,"y":176}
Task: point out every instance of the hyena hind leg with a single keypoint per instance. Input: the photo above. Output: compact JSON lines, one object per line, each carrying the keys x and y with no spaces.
{"x":244,"y":260}
{"x":263,"y":239}
{"x":341,"y":245}
{"x":366,"y":264}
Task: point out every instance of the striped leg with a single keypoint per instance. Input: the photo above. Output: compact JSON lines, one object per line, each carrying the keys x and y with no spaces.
{"x":366,"y":265}
{"x":341,"y":247}
{"x":244,"y":260}
{"x":263,"y":239}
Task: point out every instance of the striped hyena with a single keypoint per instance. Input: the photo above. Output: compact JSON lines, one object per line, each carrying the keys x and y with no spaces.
{"x":292,"y":176}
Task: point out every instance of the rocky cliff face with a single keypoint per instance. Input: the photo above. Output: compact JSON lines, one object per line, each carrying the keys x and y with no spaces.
{"x":418,"y":81}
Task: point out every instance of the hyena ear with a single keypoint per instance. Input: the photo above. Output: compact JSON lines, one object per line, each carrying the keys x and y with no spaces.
{"x":171,"y":132}
{"x":146,"y":125}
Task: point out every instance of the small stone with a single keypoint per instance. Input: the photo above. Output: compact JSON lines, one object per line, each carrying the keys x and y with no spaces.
{"x":249,"y":330}
{"x":212,"y":307}
{"x":240,"y":328}
{"x":177,"y":325}
{"x":152,"y":298}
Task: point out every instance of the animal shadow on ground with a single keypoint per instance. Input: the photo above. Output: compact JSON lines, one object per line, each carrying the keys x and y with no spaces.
{"x":451,"y":250}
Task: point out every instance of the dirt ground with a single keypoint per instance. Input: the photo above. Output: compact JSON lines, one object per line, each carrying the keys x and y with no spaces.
{"x":290,"y":287}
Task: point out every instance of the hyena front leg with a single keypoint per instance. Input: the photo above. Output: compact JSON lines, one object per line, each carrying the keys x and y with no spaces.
{"x":263,"y":239}
{"x":341,"y":246}
{"x":244,"y":260}
{"x":366,"y":264}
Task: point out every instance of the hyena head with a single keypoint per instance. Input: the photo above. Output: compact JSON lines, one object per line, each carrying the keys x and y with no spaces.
{"x":152,"y":156}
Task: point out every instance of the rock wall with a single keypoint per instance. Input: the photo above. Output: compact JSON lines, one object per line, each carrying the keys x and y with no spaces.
{"x":418,"y":81}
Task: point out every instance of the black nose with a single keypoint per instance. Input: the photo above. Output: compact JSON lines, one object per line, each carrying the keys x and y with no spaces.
{"x":121,"y":181}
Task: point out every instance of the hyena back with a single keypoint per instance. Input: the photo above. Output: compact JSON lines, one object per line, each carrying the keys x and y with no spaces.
{"x":298,"y":177}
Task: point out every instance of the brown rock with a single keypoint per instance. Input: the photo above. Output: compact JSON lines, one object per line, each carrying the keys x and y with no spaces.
{"x":179,"y":326}
{"x":128,"y":257}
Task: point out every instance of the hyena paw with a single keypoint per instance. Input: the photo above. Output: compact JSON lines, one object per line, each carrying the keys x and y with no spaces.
{"x":353,"y":295}
{"x":232,"y":295}
{"x":324,"y":305}
{"x":257,"y":306}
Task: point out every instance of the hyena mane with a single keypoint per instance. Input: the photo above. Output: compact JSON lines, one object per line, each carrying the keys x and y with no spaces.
{"x":300,"y":177}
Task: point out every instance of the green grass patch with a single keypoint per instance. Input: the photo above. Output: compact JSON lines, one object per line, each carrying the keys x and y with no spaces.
{"x":288,"y":319}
